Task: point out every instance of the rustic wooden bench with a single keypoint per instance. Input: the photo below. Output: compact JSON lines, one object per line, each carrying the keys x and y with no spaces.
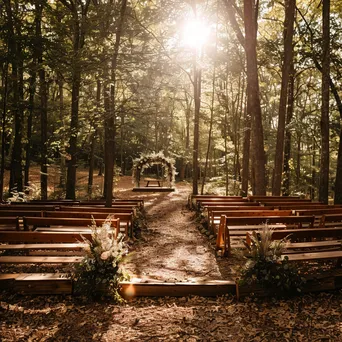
{"x":193,"y":199}
{"x":42,"y":237}
{"x":27,"y":207}
{"x":288,"y":203}
{"x":318,"y":212}
{"x":308,"y":251}
{"x":112,"y":210}
{"x":40,"y":259}
{"x":215,"y":215}
{"x":20,"y":213}
{"x":65,"y":224}
{"x":204,"y":205}
{"x":43,"y":246}
{"x":304,"y":206}
{"x":320,"y":255}
{"x":253,"y":198}
{"x":328,"y":220}
{"x":134,"y":202}
{"x":239,"y":226}
{"x":126,"y":219}
{"x":9,"y":223}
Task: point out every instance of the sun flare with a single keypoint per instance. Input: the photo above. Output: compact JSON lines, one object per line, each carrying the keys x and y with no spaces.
{"x":195,"y":33}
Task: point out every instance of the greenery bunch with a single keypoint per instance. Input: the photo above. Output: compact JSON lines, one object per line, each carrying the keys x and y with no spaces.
{"x":100,"y":273}
{"x":266,"y":267}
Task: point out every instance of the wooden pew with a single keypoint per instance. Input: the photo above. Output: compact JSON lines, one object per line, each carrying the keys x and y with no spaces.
{"x":312,"y":250}
{"x":20,"y":213}
{"x":228,"y":204}
{"x":42,"y":237}
{"x":9,"y":223}
{"x":239,"y":226}
{"x":43,"y":246}
{"x":257,"y":198}
{"x":47,"y":202}
{"x":304,"y":206}
{"x":288,"y":203}
{"x":108,"y":211}
{"x":318,"y":212}
{"x":328,"y":220}
{"x":65,"y":224}
{"x":25,"y":207}
{"x":115,"y":209}
{"x":40,"y":259}
{"x":126,"y":219}
{"x":215,"y":215}
{"x":192,"y":199}
{"x":134,"y":202}
{"x":286,"y":200}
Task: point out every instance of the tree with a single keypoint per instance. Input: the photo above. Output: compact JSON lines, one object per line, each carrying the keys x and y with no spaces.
{"x":79,"y":11}
{"x":253,"y":99}
{"x":290,"y":6}
{"x":324,"y":168}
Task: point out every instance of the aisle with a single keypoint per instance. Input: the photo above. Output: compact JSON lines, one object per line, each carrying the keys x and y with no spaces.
{"x":172,"y":249}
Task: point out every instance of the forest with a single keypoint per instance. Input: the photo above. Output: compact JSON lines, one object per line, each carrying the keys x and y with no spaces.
{"x":243,"y":94}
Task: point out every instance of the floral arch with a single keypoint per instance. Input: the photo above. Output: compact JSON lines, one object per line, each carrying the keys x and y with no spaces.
{"x":146,"y":161}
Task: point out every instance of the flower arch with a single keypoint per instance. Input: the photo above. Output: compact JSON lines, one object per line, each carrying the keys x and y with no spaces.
{"x":146,"y":161}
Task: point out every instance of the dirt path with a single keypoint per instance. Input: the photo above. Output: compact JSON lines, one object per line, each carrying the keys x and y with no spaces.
{"x":172,"y":249}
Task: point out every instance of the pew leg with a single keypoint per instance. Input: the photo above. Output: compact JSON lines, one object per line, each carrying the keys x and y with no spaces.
{"x":339,"y":263}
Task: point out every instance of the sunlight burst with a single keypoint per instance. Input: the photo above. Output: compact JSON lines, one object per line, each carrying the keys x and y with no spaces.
{"x":195,"y":33}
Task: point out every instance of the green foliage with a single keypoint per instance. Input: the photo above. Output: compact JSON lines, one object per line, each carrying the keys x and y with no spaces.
{"x":100,"y":273}
{"x":267,"y":269}
{"x":31,"y":192}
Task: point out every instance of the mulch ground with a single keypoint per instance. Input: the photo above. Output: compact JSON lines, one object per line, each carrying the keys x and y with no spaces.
{"x":52,"y":318}
{"x":171,"y":248}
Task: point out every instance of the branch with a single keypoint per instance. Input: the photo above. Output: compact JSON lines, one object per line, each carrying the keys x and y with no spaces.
{"x":319,"y":67}
{"x":230,"y":5}
{"x":163,"y":47}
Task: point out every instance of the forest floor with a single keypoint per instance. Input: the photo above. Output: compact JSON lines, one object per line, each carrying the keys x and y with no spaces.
{"x":171,"y":248}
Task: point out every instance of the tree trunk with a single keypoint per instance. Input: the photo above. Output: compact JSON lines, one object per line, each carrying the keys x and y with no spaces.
{"x":210,"y":131}
{"x":43,"y":103}
{"x":197,"y":99}
{"x":16,"y":179}
{"x":287,"y":149}
{"x":4,"y":82}
{"x":324,"y":163}
{"x":290,"y":6}
{"x":93,"y":142}
{"x":253,"y":100}
{"x":110,"y":119}
{"x":32,"y":91}
{"x":79,"y":14}
{"x":246,"y":150}
{"x":62,"y":164}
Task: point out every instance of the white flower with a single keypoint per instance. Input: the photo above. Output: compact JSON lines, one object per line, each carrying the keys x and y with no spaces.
{"x":105,"y":255}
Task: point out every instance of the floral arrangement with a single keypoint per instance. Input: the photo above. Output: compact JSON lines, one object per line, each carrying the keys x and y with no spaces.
{"x":265,"y":266}
{"x":146,"y":161}
{"x":100,"y":273}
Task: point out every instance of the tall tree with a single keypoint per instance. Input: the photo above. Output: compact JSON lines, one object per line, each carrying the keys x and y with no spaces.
{"x":253,"y":96}
{"x":79,"y":10}
{"x":290,"y":6}
{"x":15,"y":51}
{"x":109,"y":120}
{"x":43,"y":94}
{"x":324,"y":165}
